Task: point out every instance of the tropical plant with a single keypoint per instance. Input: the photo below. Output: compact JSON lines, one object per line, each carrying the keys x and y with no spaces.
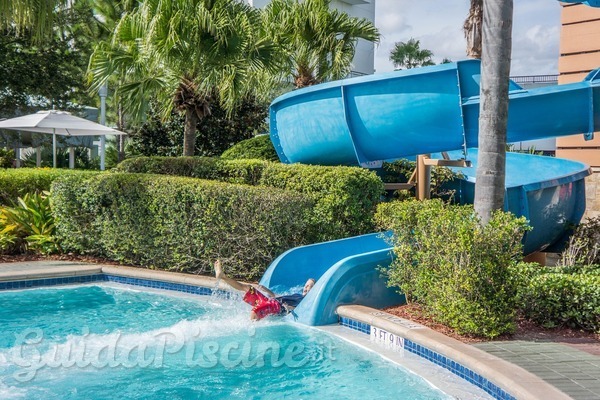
{"x":185,"y":55}
{"x":410,"y":55}
{"x":493,"y":108}
{"x":81,"y":157}
{"x":28,"y":225}
{"x":318,"y":43}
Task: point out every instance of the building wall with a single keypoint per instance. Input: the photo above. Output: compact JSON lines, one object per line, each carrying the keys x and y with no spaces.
{"x":364,"y":59}
{"x":579,"y":54}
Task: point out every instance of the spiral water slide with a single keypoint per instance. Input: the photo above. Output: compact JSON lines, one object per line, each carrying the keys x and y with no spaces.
{"x":367,"y":120}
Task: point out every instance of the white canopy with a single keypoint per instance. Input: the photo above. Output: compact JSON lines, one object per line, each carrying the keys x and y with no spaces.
{"x":59,"y":123}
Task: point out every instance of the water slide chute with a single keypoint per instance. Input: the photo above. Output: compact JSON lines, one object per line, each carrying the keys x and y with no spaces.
{"x":367,"y":120}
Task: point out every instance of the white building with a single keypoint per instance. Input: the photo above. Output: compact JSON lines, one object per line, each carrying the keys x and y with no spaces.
{"x":364,"y":59}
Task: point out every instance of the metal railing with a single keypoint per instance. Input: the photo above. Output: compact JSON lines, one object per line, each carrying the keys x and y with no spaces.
{"x":535,"y":79}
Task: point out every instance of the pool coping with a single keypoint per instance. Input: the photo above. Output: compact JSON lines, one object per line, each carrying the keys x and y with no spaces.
{"x":512,"y":380}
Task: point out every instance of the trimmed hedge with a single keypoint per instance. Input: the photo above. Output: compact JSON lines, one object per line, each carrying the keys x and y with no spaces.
{"x":16,"y":183}
{"x":180,"y":224}
{"x":345,"y":197}
{"x":258,"y":147}
{"x":561,"y":296}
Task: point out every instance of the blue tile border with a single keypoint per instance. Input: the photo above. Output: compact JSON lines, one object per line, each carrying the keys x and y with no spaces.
{"x":33,"y":283}
{"x":150,"y":283}
{"x":436,"y":358}
{"x":356,"y":325}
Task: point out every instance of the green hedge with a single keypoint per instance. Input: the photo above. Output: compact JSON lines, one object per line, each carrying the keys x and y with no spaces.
{"x":180,"y":224}
{"x":561,"y":296}
{"x":18,"y":182}
{"x":459,"y":271}
{"x":345,"y":197}
{"x":258,"y":147}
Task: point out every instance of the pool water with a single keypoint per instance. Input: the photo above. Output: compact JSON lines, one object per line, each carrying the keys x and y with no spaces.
{"x":109,"y":341}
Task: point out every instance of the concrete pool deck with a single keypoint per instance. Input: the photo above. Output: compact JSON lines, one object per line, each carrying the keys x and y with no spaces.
{"x":546,"y":370}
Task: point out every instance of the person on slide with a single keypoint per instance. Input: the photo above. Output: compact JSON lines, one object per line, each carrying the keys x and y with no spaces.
{"x":262,"y":305}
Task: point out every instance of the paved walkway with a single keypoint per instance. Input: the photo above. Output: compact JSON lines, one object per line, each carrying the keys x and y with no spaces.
{"x":575,"y":372}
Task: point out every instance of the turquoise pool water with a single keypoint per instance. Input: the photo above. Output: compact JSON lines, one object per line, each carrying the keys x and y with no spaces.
{"x":106,"y":341}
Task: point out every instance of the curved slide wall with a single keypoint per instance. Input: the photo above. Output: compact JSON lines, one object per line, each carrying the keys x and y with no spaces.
{"x":366,"y":120}
{"x":346,"y":271}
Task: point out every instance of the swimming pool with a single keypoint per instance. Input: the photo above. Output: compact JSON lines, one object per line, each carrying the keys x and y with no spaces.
{"x":105,"y":340}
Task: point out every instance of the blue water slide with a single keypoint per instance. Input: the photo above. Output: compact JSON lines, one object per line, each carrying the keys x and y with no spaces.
{"x":346,"y":270}
{"x":367,"y":120}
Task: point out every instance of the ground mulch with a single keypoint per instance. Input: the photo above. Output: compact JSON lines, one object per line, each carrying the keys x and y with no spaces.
{"x":526,"y":330}
{"x":9,"y":258}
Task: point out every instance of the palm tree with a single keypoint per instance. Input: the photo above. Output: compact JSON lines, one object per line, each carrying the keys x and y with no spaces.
{"x":493,"y":111}
{"x":318,"y":43}
{"x":410,"y":55}
{"x":184,"y":54}
{"x":472,"y":29}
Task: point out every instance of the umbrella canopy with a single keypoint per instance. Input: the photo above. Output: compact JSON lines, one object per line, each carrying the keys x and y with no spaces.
{"x":60,"y":123}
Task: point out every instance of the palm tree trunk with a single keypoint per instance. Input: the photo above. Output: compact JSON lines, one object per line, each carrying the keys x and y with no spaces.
{"x":121,"y":127}
{"x":189,"y":132}
{"x":493,"y":109}
{"x":472,"y":29}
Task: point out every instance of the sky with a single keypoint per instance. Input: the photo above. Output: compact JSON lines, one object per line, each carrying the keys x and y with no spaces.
{"x":437,"y":24}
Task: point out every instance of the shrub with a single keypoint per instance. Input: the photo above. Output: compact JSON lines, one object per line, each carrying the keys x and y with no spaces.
{"x":561,"y":296}
{"x":345,"y":197}
{"x":458,"y":270}
{"x":179,"y":223}
{"x":563,"y":300}
{"x":28,"y":225}
{"x":583,"y":247}
{"x":7,"y":158}
{"x":196,"y":167}
{"x":18,"y":182}
{"x":258,"y":147}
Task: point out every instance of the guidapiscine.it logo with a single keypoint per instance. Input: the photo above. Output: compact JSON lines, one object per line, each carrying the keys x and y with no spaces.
{"x":32,"y":353}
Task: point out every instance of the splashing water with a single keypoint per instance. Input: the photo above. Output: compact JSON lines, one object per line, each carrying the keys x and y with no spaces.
{"x":106,"y":341}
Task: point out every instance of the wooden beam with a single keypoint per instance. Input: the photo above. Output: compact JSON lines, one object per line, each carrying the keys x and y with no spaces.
{"x":446,"y":163}
{"x":398,"y":186}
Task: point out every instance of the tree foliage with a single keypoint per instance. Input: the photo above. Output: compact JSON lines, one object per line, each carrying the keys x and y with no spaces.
{"x":318,"y":43}
{"x":33,"y":18}
{"x":410,"y":55}
{"x":218,"y":131}
{"x":41,"y":75}
{"x":185,"y":55}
